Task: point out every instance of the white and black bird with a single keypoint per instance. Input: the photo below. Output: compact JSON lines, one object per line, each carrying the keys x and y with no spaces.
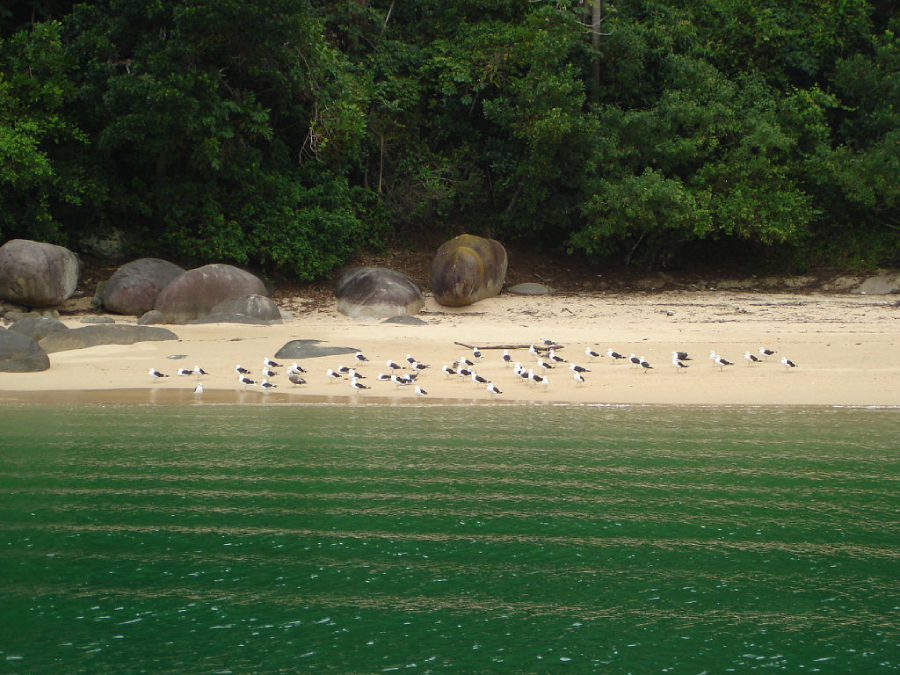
{"x":295,"y":379}
{"x":544,"y":365}
{"x":645,"y":364}
{"x":383,"y":378}
{"x":267,"y":373}
{"x":420,"y":391}
{"x":751,"y":359}
{"x":246,"y":381}
{"x":787,"y":363}
{"x":556,"y":358}
{"x":492,"y":390}
{"x":267,"y":386}
{"x":357,"y":385}
{"x":199,"y":388}
{"x":240,"y":370}
{"x":533,"y":350}
{"x":523,"y":374}
{"x":415,"y":365}
{"x":614,"y":355}
{"x":344,"y":370}
{"x":719,"y":360}
{"x":507,"y":359}
{"x":574,"y":367}
{"x":478,"y":379}
{"x":468,"y":363}
{"x":635,"y":361}
{"x":394,"y":366}
{"x":476,"y":353}
{"x":360,"y":357}
{"x":464,"y":372}
{"x":548,"y":342}
{"x":678,"y":363}
{"x":682,"y":356}
{"x":199,"y":372}
{"x":400,"y":381}
{"x":578,"y":377}
{"x":352,"y":374}
{"x":766,"y":353}
{"x":269,"y":363}
{"x":297,"y":369}
{"x":156,"y":375}
{"x":448,"y":371}
{"x":184,"y":372}
{"x":537,"y":379}
{"x":410,"y":359}
{"x":591,"y":354}
{"x":333,"y":375}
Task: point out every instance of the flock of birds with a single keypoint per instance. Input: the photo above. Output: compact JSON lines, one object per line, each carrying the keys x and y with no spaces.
{"x":406,"y":373}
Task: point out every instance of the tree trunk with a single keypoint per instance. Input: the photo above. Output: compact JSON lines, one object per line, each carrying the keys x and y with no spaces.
{"x":596,"y":27}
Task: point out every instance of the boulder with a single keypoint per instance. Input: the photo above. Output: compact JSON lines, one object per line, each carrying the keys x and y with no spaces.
{"x":151,"y":317}
{"x":310,"y":349}
{"x":530,"y":288}
{"x":377,"y":293}
{"x":134,"y":287}
{"x":194,"y":293}
{"x":21,"y":354}
{"x":103,"y":334}
{"x":254,"y":306}
{"x":233,"y":317}
{"x":35,"y":274}
{"x":37,"y":327}
{"x":467,"y":269}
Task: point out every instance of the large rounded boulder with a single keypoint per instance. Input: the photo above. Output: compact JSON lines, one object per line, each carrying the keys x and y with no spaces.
{"x":192,"y":295}
{"x":467,"y":269}
{"x":134,"y":287}
{"x":36,"y":274}
{"x":377,"y":293}
{"x":21,"y":354}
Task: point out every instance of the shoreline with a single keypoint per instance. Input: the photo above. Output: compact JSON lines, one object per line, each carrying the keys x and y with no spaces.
{"x":845,"y":347}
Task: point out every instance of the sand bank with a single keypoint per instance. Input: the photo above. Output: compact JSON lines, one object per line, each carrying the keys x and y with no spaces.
{"x":844,"y":346}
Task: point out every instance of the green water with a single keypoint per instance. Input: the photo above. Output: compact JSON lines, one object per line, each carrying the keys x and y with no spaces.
{"x":492,"y":539}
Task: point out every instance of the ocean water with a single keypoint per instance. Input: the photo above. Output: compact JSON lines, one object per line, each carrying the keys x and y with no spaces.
{"x":447,"y":539}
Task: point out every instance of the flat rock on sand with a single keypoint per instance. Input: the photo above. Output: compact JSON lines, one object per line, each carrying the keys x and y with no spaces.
{"x":310,"y":349}
{"x":21,"y":354}
{"x":530,"y":288}
{"x":103,"y":334}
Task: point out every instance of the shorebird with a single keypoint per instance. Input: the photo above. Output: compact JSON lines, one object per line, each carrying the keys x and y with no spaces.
{"x":241,"y":370}
{"x":544,"y":365}
{"x":476,"y":353}
{"x":635,"y":361}
{"x":591,"y":354}
{"x":360,"y":357}
{"x":266,"y":373}
{"x":295,"y":379}
{"x":156,"y":375}
{"x":492,"y":390}
{"x":478,"y":379}
{"x":266,"y":385}
{"x":548,"y":342}
{"x":393,"y":366}
{"x":383,"y":378}
{"x":766,"y":352}
{"x":645,"y":365}
{"x":352,"y":374}
{"x":295,"y":368}
{"x":199,"y":388}
{"x":357,"y":385}
{"x":400,"y":381}
{"x":415,"y":365}
{"x":269,"y":363}
{"x":614,"y":355}
{"x":466,"y":362}
{"x":787,"y":363}
{"x":183,"y":372}
{"x":578,"y":369}
{"x":410,"y":359}
{"x":578,"y":378}
{"x":751,"y":359}
{"x":448,"y":371}
{"x":553,"y":356}
{"x":507,"y":359}
{"x":199,"y":372}
{"x":682,"y":356}
{"x":678,"y":363}
{"x":246,"y":381}
{"x":719,"y":361}
{"x":332,"y":375}
{"x":420,"y":391}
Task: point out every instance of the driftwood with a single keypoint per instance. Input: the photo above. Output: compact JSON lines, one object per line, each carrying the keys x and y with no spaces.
{"x":541,"y":348}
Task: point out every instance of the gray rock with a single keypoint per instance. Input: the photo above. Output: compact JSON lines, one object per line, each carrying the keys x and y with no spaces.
{"x":21,"y":354}
{"x":406,"y":320}
{"x":256,"y":306}
{"x":97,"y":319}
{"x":35,"y":274}
{"x":37,"y":327}
{"x":467,"y":269}
{"x":377,"y":293}
{"x":193,"y":294}
{"x":886,"y":282}
{"x":234,"y":317}
{"x":530,"y":288}
{"x":134,"y":287}
{"x":310,"y":349}
{"x":151,"y":317}
{"x":93,"y":336}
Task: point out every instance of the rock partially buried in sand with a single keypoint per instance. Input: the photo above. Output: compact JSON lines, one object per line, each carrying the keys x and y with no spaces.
{"x":35,"y":274}
{"x":103,"y":334}
{"x":377,"y":293}
{"x":193,"y":294}
{"x":310,"y":349}
{"x":467,"y":269}
{"x":134,"y":287}
{"x":38,"y":327}
{"x":21,"y":354}
{"x":530,"y":288}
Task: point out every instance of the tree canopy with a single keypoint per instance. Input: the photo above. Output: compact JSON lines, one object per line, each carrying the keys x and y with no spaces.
{"x":288,"y":134}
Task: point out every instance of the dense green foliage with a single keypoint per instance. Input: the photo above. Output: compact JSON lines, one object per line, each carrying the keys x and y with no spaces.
{"x":288,"y":133}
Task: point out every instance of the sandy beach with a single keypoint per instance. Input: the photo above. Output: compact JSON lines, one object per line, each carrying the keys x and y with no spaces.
{"x":843,"y":345}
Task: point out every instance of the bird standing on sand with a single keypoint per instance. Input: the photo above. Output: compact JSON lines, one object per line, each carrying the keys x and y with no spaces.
{"x":492,"y":390}
{"x":579,"y":379}
{"x":332,"y":375}
{"x":183,"y":372}
{"x":751,"y":359}
{"x":787,"y":363}
{"x":267,"y":373}
{"x":678,"y":363}
{"x":614,"y":355}
{"x":295,"y":379}
{"x":156,"y":375}
{"x":645,"y":365}
{"x":578,"y":369}
{"x":766,"y":353}
{"x":246,"y":381}
{"x":719,"y":360}
{"x":507,"y":359}
{"x":360,"y":357}
{"x":591,"y":354}
{"x":266,"y":385}
{"x":199,"y":388}
{"x":420,"y":391}
{"x":269,"y":363}
{"x":357,"y":385}
{"x":394,"y":366}
{"x":199,"y":372}
{"x":241,"y":370}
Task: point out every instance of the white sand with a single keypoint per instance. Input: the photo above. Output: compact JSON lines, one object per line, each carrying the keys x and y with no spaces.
{"x":844,"y":346}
